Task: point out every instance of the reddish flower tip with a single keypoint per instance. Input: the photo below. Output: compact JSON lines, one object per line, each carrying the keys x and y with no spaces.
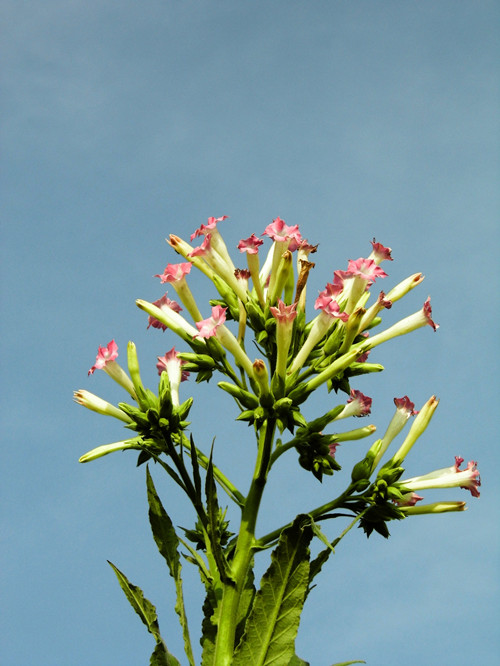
{"x":205,"y":228}
{"x":208,"y":327}
{"x":250,"y":245}
{"x":472,"y":479}
{"x":380,"y":253}
{"x":361,"y":402}
{"x":174,"y":272}
{"x":104,"y":355}
{"x":164,"y":303}
{"x":428,"y":313}
{"x":405,"y":404}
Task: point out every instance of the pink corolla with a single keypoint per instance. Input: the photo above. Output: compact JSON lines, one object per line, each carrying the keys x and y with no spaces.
{"x":172,"y":361}
{"x":357,"y":405}
{"x":203,"y":249}
{"x":284,"y":315}
{"x":208,"y":327}
{"x":326,"y":303}
{"x":106,"y":360}
{"x":471,"y":476}
{"x":280,"y":232}
{"x":250,"y":245}
{"x":174,"y":272}
{"x":105,"y":355}
{"x":408,"y":499}
{"x":209,"y":226}
{"x":165,"y":304}
{"x":172,"y":365}
{"x":380,"y":253}
{"x":366,"y":269}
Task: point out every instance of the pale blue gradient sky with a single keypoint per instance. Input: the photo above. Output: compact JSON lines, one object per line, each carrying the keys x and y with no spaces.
{"x":124,"y":122}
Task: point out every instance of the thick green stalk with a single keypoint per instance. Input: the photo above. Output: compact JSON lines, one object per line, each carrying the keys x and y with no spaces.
{"x":245,"y":544}
{"x":314,"y":513}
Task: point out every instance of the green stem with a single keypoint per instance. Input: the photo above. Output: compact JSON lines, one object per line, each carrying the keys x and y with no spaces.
{"x":314,"y":513}
{"x":245,"y":545}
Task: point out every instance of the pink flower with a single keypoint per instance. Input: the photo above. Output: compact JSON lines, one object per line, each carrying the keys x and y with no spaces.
{"x":208,"y":327}
{"x":405,"y":405}
{"x":250,"y":245}
{"x":284,"y":313}
{"x":472,"y":478}
{"x":242,"y":274}
{"x":164,"y":303}
{"x":104,"y":356}
{"x":427,"y":310}
{"x":360,"y":404}
{"x":380,"y":253}
{"x":203,"y":249}
{"x":410,"y":499}
{"x":366,"y":269}
{"x":171,"y":363}
{"x":281,"y":233}
{"x":205,"y":228}
{"x":333,"y":448}
{"x":174,"y":272}
{"x":328,"y":304}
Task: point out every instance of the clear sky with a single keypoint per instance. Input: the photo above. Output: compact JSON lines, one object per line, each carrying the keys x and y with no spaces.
{"x":126,"y":121}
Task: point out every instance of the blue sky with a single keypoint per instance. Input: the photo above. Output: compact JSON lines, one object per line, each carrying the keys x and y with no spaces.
{"x":124,"y":122}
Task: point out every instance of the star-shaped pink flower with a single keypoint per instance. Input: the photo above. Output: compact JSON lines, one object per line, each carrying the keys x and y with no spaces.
{"x":360,"y":404}
{"x":208,"y":327}
{"x":250,"y":245}
{"x":281,"y":233}
{"x":104,"y":356}
{"x":284,"y":313}
{"x":171,"y":364}
{"x":205,"y":228}
{"x":380,"y":253}
{"x":164,"y":303}
{"x":175,"y":272}
{"x":365,"y":269}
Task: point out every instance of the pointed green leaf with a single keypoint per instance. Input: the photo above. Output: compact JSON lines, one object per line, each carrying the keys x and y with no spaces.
{"x":142,"y":606}
{"x":166,"y":539}
{"x":147,"y":612}
{"x":213,"y":514}
{"x":162,"y":657}
{"x":274,"y":620}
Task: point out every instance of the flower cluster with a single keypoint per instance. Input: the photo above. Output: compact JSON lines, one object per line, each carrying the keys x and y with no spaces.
{"x":298,"y":353}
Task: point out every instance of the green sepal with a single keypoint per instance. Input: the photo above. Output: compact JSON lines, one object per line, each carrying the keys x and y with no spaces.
{"x":247,"y":399}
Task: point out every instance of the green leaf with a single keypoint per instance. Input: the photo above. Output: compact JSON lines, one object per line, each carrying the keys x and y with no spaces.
{"x":297,"y":661}
{"x":213,"y":513}
{"x":209,"y":628}
{"x":162,"y":657}
{"x":347,"y":663}
{"x":147,"y":612}
{"x":168,"y":544}
{"x":274,"y":620}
